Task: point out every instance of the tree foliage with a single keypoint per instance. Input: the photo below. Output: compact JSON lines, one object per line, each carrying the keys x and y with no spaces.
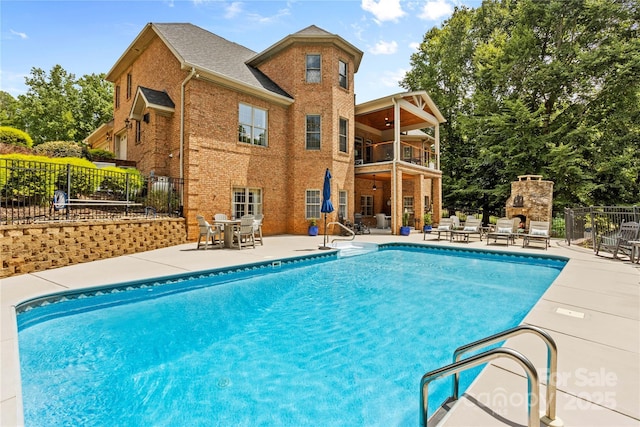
{"x":548,"y":87}
{"x":59,"y":107}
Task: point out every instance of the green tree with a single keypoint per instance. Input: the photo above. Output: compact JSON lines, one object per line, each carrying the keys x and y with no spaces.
{"x":545,"y":87}
{"x":8,"y":109}
{"x":58,"y":107}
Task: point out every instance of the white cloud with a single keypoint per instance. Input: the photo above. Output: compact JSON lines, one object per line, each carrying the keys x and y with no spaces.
{"x":391,"y":78}
{"x":384,"y":10}
{"x":414,"y":45}
{"x":384,"y":48}
{"x":269,"y":19}
{"x":233,"y":9}
{"x":23,"y":36}
{"x":434,"y":10}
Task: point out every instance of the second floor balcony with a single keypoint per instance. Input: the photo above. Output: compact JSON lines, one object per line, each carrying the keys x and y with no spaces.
{"x":422,"y":153}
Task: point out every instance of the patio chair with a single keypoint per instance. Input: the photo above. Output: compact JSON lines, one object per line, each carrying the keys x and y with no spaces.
{"x":359,"y":226}
{"x":471,"y":226}
{"x":503,"y":230}
{"x":220,"y":217}
{"x":243,"y":233}
{"x":344,"y":221}
{"x":538,"y":232}
{"x":257,"y":228}
{"x":444,"y":227}
{"x":209,"y":231}
{"x":619,"y":242}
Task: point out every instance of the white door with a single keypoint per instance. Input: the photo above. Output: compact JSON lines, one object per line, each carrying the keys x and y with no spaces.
{"x":121,"y":146}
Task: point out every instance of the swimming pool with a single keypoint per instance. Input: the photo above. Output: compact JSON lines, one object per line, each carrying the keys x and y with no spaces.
{"x":316,"y":340}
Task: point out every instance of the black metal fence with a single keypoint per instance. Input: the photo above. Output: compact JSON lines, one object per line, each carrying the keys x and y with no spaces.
{"x":41,"y":192}
{"x":584,"y":226}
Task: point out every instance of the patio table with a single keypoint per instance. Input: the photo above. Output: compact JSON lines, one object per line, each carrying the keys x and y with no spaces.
{"x":229,"y":225}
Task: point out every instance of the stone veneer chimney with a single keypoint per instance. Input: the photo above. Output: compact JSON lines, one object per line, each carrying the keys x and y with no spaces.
{"x":531,"y":199}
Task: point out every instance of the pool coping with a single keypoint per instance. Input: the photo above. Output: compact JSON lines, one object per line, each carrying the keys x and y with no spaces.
{"x":183,"y":259}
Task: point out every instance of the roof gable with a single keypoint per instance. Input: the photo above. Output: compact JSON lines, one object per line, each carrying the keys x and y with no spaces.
{"x":204,"y":51}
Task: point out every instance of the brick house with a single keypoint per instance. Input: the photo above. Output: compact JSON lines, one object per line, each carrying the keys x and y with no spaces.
{"x":254,"y":132}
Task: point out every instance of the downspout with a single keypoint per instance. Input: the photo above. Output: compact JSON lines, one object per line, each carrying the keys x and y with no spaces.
{"x":184,"y":83}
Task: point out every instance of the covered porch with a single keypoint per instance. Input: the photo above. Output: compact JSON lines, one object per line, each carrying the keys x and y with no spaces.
{"x":397,"y":160}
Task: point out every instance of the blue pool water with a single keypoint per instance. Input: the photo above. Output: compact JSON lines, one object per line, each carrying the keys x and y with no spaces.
{"x":331,"y":342}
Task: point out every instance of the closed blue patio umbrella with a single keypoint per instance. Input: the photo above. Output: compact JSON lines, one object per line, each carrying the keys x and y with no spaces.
{"x":327,"y":206}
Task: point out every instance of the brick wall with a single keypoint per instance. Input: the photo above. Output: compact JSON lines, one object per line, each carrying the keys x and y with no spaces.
{"x":38,"y":247}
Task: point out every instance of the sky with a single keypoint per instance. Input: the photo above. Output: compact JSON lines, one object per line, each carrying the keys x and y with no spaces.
{"x":88,"y":37}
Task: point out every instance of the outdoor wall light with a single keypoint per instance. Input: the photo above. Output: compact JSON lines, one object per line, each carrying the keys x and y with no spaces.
{"x":127,"y":123}
{"x":374,"y":183}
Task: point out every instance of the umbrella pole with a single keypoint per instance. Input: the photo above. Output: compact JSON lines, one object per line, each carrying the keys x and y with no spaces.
{"x":325,"y":230}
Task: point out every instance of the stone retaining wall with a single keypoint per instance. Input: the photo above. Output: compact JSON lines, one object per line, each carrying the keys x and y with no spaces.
{"x":37,"y":247}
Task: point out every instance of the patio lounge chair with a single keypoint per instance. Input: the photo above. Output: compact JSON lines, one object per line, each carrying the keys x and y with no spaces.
{"x":504,"y":230}
{"x":471,"y":226}
{"x":444,"y":227}
{"x":538,"y":232}
{"x":243,"y":233}
{"x":208,"y":231}
{"x":619,"y":242}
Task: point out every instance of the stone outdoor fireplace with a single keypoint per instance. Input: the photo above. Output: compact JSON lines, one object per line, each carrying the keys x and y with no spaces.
{"x":531,"y":199}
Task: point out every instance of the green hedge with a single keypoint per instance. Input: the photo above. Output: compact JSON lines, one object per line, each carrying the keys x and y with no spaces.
{"x":36,"y":178}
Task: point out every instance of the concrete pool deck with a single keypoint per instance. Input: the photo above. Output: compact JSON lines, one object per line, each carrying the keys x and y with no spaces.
{"x":592,"y":310}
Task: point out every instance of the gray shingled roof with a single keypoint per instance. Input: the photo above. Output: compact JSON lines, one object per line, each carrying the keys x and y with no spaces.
{"x":210,"y":52}
{"x":157,"y":97}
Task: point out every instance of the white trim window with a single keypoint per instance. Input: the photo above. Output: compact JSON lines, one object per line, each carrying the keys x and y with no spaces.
{"x":407,"y":204}
{"x":343,"y":74}
{"x":313,"y":70}
{"x":246,"y":201}
{"x":313,"y":124}
{"x":342,"y":204}
{"x":366,"y":205}
{"x":343,"y":130}
{"x":312,"y":204}
{"x":252,"y":125}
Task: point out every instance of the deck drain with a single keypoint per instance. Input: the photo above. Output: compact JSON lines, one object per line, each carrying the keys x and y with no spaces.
{"x":570,"y":313}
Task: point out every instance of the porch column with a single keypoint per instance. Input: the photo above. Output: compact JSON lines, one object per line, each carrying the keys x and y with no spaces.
{"x":436,"y":132}
{"x":398,"y":210}
{"x":436,"y":194}
{"x":419,"y":191}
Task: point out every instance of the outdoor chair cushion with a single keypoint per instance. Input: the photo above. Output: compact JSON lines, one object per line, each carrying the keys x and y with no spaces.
{"x":443,"y":227}
{"x":469,"y":229}
{"x":504,"y":230}
{"x":538,"y":232}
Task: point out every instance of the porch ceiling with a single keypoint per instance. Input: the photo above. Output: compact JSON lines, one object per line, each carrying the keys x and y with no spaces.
{"x":378,"y":119}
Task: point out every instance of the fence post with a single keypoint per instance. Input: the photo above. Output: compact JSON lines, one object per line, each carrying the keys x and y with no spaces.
{"x":568,"y":225}
{"x":68,"y":188}
{"x":126,"y":209}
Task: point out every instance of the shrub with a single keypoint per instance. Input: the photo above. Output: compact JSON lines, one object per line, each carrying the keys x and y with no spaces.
{"x":13,"y":136}
{"x":97,"y":154}
{"x":59,"y":149}
{"x":114,"y":180}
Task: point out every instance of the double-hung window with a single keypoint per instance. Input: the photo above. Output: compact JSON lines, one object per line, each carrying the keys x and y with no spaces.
{"x":366,"y":205}
{"x":343,"y":77}
{"x":246,"y":201}
{"x":129,"y":85}
{"x":343,"y":128}
{"x":312,"y":204}
{"x":313,"y":132}
{"x":342,"y":204}
{"x":314,"y":71}
{"x":252,"y":127}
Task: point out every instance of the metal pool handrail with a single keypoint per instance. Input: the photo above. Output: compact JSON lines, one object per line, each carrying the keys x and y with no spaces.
{"x":353,"y":235}
{"x":533,"y":393}
{"x":552,"y":364}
